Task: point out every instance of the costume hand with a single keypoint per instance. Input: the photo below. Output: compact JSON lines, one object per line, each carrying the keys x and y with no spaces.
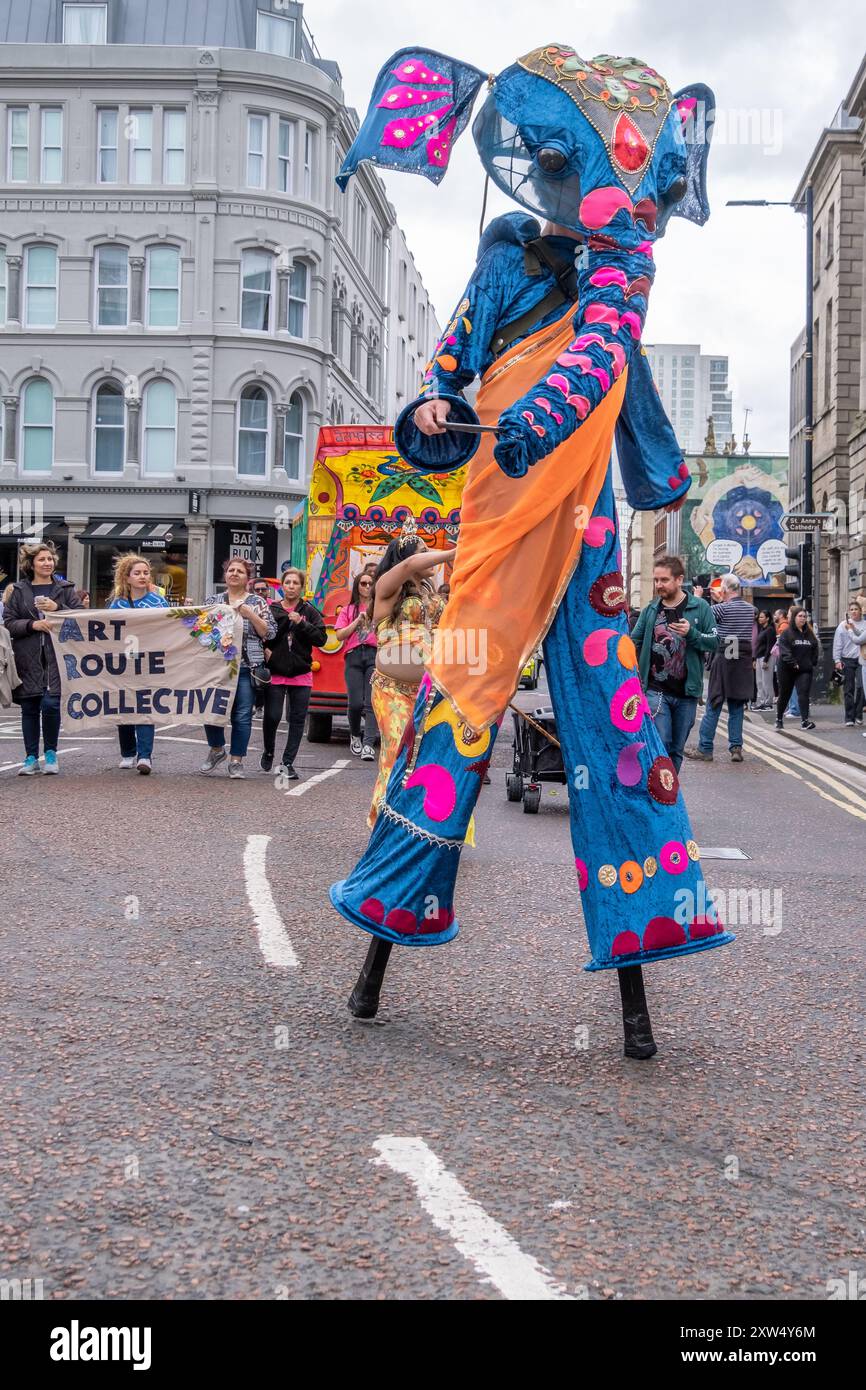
{"x":517,"y":447}
{"x":430,"y":418}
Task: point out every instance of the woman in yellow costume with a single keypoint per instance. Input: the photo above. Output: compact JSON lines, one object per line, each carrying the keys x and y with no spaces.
{"x":405,"y":613}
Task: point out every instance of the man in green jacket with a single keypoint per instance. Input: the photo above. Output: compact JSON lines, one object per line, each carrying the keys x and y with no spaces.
{"x":671,"y":636}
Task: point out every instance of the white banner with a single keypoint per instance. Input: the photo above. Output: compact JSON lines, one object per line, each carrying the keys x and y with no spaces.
{"x":146,"y":665}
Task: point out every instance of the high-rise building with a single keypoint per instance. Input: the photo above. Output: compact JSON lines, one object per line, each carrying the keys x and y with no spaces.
{"x":185,"y":295}
{"x":692,"y":386}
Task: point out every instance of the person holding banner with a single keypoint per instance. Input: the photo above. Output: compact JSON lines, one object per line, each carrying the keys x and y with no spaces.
{"x":134,"y":588}
{"x":38,"y":591}
{"x":259,"y":627}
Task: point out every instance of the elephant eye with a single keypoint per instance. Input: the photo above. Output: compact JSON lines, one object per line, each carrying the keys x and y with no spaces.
{"x":677,"y":190}
{"x":551,"y":161}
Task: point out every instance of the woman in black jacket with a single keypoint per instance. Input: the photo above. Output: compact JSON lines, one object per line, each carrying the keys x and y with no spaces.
{"x":799,"y":650}
{"x":37,"y":592}
{"x":300,"y":627}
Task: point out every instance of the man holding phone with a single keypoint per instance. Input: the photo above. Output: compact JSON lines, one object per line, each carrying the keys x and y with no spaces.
{"x":671,"y":636}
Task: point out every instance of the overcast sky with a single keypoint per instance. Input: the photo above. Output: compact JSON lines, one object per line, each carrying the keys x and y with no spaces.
{"x":735,"y":286}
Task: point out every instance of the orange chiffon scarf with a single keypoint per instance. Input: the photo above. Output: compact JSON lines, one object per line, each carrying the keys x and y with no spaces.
{"x":520,"y":538}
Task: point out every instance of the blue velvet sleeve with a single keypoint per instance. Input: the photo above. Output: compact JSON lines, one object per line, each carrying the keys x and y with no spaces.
{"x":463,"y":351}
{"x":613,"y":290}
{"x":651,"y":462}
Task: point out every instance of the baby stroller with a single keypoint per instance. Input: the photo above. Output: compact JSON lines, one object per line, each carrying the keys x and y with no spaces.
{"x":536,"y":760}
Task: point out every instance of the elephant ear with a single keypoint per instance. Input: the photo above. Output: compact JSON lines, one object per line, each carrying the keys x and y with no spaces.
{"x":420,"y":104}
{"x":695,"y":108}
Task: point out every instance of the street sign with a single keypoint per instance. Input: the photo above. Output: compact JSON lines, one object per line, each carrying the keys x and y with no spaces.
{"x":809,"y":521}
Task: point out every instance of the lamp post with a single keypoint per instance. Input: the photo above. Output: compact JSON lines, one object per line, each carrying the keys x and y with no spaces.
{"x":811,"y":575}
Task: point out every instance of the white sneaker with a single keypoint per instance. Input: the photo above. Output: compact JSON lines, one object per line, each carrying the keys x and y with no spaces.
{"x":368,"y":754}
{"x":214,"y":758}
{"x":355,"y":745}
{"x":145,"y":766}
{"x":126,"y":762}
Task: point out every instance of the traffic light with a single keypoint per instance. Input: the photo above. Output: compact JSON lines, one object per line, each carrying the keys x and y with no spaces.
{"x":794,"y":570}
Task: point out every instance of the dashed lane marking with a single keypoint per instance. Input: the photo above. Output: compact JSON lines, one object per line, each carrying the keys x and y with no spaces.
{"x":273,"y":937}
{"x":480,"y":1239}
{"x":319,"y":777}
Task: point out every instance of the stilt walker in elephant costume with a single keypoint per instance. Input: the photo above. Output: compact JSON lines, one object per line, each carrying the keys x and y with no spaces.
{"x":551,"y":322}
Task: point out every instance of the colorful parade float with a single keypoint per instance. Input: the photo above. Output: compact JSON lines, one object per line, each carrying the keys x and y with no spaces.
{"x":361,"y":492}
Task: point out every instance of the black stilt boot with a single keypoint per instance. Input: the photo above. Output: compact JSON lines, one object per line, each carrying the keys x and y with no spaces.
{"x":637,"y":1029}
{"x":364,"y":999}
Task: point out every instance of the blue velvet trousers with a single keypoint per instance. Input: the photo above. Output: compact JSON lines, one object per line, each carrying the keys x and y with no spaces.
{"x":637,"y":865}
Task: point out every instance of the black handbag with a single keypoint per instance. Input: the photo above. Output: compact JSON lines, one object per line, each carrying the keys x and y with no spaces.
{"x":261,"y":675}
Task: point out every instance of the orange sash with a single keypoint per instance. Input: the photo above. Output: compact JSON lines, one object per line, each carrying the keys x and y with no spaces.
{"x":520,"y":538}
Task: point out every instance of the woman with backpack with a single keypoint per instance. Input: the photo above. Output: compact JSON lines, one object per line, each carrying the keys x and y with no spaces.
{"x":37,"y":592}
{"x":799,"y":652}
{"x":299,"y":627}
{"x":354,"y":626}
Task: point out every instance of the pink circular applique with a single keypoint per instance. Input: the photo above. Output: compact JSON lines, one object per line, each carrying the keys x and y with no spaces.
{"x":626,"y":943}
{"x":704,"y":926}
{"x":440,"y":794}
{"x":628,"y":768}
{"x":373,"y":910}
{"x":663,"y":932}
{"x":597,"y":530}
{"x":399,"y":919}
{"x":628,"y":706}
{"x":673,"y":857}
{"x":595,"y":645}
{"x":582,"y":874}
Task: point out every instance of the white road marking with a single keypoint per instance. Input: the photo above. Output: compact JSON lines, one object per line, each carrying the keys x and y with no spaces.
{"x":479,"y":1238}
{"x":273,"y":938}
{"x":725,"y":853}
{"x":319,"y":777}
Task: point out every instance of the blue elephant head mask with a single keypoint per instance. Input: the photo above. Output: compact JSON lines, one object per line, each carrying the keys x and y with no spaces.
{"x":602,"y":146}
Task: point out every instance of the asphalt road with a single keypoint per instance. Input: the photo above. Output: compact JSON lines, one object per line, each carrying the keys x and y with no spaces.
{"x":183,"y":1119}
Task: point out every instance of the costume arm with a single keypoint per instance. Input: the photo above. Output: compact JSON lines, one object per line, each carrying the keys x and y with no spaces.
{"x":463,"y":350}
{"x":613,"y":289}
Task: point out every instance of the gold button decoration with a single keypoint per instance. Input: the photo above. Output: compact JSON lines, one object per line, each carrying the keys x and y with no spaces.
{"x":692,"y":849}
{"x":607,"y":875}
{"x":650,"y":866}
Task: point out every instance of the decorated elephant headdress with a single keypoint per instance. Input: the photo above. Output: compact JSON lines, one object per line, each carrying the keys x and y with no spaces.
{"x":601,"y":145}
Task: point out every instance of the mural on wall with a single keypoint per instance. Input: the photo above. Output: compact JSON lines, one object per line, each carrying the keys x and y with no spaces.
{"x":732,"y":517}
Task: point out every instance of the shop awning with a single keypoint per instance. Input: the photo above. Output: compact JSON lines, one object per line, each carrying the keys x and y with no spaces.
{"x":138,"y":535}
